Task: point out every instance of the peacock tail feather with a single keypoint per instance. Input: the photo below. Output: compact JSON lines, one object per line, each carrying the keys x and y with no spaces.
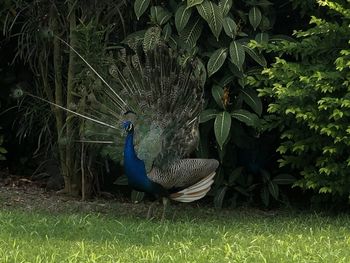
{"x":161,"y":97}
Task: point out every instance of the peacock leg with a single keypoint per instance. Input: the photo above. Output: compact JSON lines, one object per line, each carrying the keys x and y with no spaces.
{"x":150,"y":210}
{"x":166,"y":205}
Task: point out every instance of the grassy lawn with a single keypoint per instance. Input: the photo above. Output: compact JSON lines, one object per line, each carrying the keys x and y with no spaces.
{"x":120,"y":233}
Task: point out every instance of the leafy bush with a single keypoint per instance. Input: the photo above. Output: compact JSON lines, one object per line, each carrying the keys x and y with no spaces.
{"x":309,"y":92}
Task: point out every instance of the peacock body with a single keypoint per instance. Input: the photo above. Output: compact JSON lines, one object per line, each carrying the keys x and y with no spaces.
{"x":158,"y":101}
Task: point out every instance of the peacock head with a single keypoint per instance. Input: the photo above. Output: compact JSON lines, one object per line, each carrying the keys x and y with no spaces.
{"x":128,"y":126}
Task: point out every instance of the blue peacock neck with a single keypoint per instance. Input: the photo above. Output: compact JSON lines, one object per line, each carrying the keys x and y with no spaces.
{"x":134,"y":167}
{"x":129,"y":151}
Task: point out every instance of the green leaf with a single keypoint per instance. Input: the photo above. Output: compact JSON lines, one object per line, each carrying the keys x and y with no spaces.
{"x":284,"y":179}
{"x":213,"y":15}
{"x":222,"y":126}
{"x":152,"y":38}
{"x":259,"y":58}
{"x":237,"y":54}
{"x":262,"y":37}
{"x":219,"y":197}
{"x":121,"y":180}
{"x":182,"y":16}
{"x":225,"y":6}
{"x":250,"y":97}
{"x":160,"y":14}
{"x":190,"y":34}
{"x":207,"y":115}
{"x":216,"y":60}
{"x":273,"y":189}
{"x":234,"y":175}
{"x":246,"y":117}
{"x":166,"y":32}
{"x":230,"y":27}
{"x":191,"y":3}
{"x":140,"y":7}
{"x":137,"y":196}
{"x":265,"y":196}
{"x":254,"y":17}
{"x":218,"y":94}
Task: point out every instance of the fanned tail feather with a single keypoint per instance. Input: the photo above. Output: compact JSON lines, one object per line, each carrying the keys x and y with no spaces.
{"x":194,"y":192}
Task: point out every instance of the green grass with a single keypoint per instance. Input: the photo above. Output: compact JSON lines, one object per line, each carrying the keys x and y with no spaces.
{"x":196,"y":235}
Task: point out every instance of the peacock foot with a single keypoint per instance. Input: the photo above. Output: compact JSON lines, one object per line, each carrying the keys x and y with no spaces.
{"x":150,"y":210}
{"x":166,"y":206}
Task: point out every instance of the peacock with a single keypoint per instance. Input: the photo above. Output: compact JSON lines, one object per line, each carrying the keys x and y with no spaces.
{"x":156,"y":103}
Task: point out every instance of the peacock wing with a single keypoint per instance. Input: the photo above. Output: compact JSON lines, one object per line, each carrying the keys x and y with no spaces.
{"x":183,"y":173}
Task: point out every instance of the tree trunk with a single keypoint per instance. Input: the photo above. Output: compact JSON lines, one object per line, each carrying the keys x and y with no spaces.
{"x":58,"y":75}
{"x":71,"y":178}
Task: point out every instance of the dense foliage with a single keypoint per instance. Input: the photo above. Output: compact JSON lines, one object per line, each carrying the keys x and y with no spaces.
{"x":308,"y":88}
{"x":230,"y":45}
